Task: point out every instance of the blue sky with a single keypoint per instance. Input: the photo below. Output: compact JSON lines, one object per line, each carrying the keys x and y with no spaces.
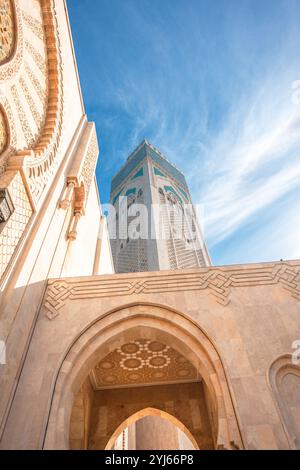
{"x":215,"y":85}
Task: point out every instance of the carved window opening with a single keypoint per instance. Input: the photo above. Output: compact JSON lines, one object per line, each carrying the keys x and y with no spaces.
{"x":7,"y":30}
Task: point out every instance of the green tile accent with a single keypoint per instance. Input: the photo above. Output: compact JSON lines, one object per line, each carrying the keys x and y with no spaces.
{"x":139,"y":173}
{"x":159,"y":173}
{"x":172,"y":190}
{"x":130,"y":191}
{"x":184,"y":193}
{"x":117,"y":196}
{"x":130,"y":165}
{"x":134,"y":160}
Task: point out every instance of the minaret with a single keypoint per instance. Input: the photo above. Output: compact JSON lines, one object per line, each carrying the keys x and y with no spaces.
{"x":153,"y":223}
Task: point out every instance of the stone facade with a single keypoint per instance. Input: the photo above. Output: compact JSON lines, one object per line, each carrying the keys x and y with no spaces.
{"x":211,"y":351}
{"x":43,"y":132}
{"x":233,"y":346}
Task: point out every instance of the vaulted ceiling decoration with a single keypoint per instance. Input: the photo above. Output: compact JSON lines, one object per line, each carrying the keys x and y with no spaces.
{"x":142,"y":362}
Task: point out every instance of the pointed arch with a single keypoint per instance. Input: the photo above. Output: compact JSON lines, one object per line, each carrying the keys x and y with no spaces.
{"x":150,"y":411}
{"x":159,"y":322}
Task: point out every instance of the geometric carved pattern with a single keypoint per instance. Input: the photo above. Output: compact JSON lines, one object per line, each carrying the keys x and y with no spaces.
{"x":37,"y":57}
{"x":14,"y":228}
{"x":41,"y":165}
{"x":11,"y":133}
{"x":89,"y":165}
{"x":23,"y":97}
{"x":34,"y":25}
{"x":12,"y":63}
{"x":142,"y":362}
{"x":39,"y":44}
{"x":36,"y":99}
{"x":31,"y":103}
{"x":27,"y":132}
{"x":7,"y":30}
{"x":39,"y":89}
{"x":218,"y":281}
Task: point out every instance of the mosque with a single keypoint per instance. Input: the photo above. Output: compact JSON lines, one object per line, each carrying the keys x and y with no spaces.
{"x":122,"y":342}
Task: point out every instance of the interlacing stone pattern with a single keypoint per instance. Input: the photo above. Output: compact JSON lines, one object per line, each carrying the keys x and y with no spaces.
{"x":13,"y":229}
{"x":217,"y":281}
{"x":7,"y":30}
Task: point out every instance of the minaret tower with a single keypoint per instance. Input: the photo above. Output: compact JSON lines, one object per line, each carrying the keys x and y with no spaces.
{"x":156,"y":223}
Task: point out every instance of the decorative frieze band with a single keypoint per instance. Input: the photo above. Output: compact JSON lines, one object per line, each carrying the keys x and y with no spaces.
{"x":90,"y":161}
{"x":218,"y":281}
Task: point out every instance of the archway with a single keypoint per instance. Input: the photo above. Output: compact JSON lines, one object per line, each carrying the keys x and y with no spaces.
{"x":141,"y":374}
{"x":156,"y":323}
{"x":156,"y":414}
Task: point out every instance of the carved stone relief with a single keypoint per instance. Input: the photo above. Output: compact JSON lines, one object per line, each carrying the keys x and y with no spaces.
{"x":7,"y":30}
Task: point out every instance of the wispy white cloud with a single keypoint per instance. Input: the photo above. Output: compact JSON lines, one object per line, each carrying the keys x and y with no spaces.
{"x":275,"y":237}
{"x":254,"y":169}
{"x":248,"y":165}
{"x":210,"y":84}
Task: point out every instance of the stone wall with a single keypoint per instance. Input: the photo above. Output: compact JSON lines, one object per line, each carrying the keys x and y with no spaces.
{"x":232,"y":323}
{"x":186,"y":402}
{"x":43,"y":131}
